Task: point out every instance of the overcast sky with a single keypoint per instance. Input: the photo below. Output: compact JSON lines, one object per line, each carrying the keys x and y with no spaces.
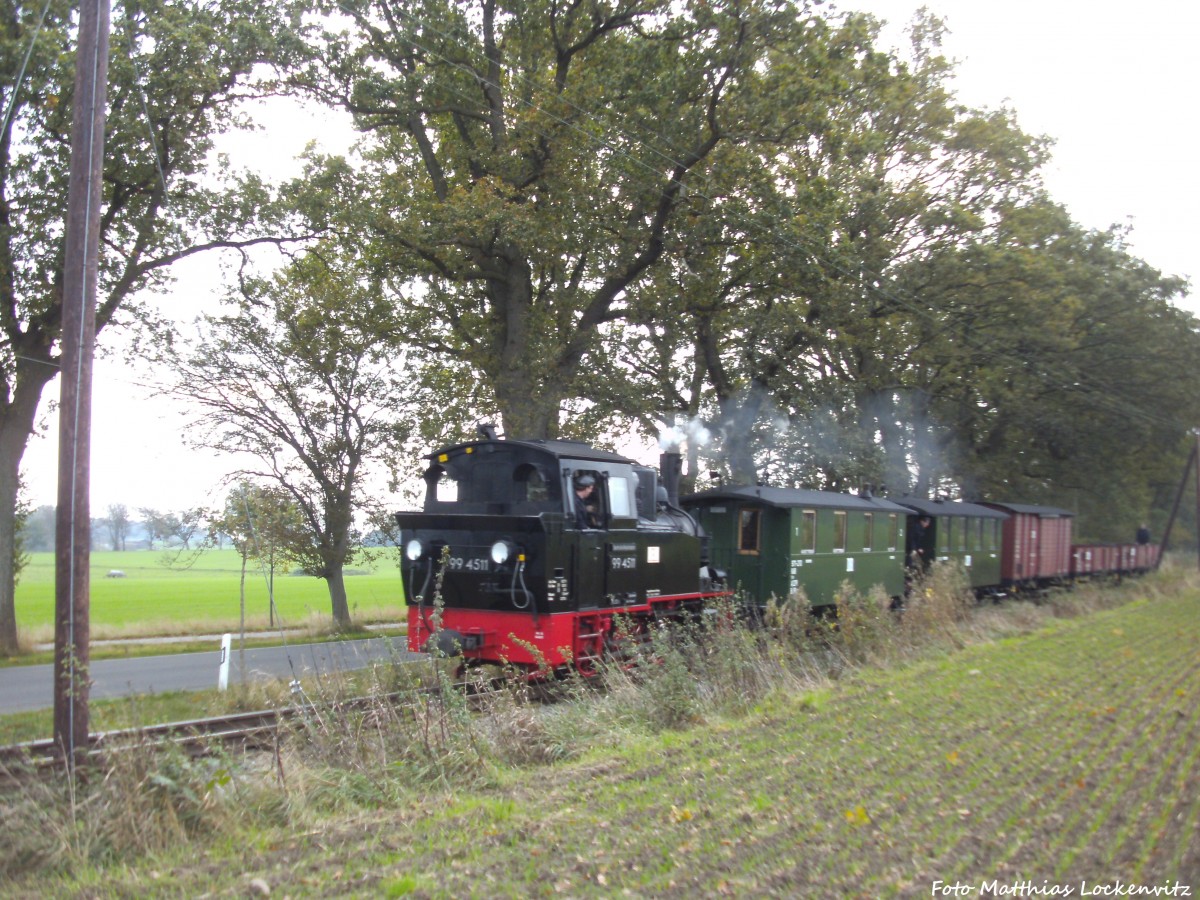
{"x":1113,"y":84}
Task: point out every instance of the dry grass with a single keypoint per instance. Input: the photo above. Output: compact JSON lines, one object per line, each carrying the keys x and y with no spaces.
{"x":348,"y":755}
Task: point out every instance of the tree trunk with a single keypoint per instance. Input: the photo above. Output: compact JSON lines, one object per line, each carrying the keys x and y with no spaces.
{"x":16,"y":426}
{"x":8,"y":546}
{"x":528,"y":410}
{"x":529,"y":387}
{"x":337,"y":598}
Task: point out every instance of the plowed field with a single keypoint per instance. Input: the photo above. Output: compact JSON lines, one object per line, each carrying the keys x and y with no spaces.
{"x":1063,"y":763}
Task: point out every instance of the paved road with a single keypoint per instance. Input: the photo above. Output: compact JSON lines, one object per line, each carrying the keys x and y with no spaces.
{"x":25,"y":688}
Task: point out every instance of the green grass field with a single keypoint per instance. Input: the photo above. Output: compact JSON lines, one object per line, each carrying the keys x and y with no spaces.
{"x":160,"y":594}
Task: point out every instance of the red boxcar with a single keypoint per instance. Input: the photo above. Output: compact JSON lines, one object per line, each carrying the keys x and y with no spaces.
{"x":1112,"y":559}
{"x":1091,"y":559}
{"x":1147,"y":557}
{"x":1037,"y":544}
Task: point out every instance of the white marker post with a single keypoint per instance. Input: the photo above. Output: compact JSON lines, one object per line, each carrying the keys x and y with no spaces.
{"x":223,"y":672}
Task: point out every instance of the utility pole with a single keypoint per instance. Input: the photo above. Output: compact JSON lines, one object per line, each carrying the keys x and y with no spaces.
{"x":1196,"y":455}
{"x":80,"y":277}
{"x":1193,"y":459}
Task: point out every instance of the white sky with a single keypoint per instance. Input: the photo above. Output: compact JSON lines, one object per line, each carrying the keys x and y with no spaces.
{"x":1114,"y":84}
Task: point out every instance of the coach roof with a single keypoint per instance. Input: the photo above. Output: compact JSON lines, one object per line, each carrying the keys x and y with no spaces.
{"x":951,"y":508}
{"x":791,"y":497}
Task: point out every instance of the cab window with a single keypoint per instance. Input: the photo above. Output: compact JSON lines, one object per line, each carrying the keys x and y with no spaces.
{"x":749,"y":530}
{"x":442,"y":486}
{"x":530,"y":484}
{"x":620,"y":498}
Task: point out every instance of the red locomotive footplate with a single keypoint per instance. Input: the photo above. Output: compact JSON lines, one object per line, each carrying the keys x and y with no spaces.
{"x":538,"y":642}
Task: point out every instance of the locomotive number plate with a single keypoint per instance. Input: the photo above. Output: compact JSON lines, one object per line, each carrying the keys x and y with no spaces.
{"x":624,"y":562}
{"x":462,"y":564}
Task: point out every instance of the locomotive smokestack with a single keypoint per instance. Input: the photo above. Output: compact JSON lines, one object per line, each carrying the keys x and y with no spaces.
{"x":670,"y":467}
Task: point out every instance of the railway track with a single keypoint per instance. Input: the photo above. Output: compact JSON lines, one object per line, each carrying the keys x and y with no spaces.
{"x":249,"y":729}
{"x":243,"y":731}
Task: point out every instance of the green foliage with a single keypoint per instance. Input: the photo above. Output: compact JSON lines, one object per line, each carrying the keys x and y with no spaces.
{"x":529,"y":207}
{"x":1055,"y":370}
{"x":178,"y":70}
{"x":751,"y":215}
{"x":263,"y":522}
{"x":301,"y":380}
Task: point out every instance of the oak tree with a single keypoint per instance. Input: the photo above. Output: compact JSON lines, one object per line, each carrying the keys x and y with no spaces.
{"x":528,"y":167}
{"x":179,"y":69}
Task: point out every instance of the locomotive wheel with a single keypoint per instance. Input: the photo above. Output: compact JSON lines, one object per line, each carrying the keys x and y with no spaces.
{"x":624,"y":645}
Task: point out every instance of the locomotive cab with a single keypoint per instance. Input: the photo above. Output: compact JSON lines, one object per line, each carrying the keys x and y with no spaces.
{"x":524,"y":551}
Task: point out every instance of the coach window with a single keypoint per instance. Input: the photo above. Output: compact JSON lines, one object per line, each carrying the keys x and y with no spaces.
{"x":893,"y":531}
{"x":749,"y":531}
{"x":839,"y":532}
{"x":808,"y":532}
{"x":946,"y":536}
{"x":868,"y":531}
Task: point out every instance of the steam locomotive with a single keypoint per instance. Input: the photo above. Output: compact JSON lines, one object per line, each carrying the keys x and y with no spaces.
{"x":527,"y":552}
{"x":546,"y":555}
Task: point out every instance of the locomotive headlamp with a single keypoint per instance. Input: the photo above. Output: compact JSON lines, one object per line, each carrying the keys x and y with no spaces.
{"x":414,"y":550}
{"x":503,"y":551}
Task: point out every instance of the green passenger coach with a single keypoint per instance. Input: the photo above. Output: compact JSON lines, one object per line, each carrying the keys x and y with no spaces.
{"x":967,"y":534}
{"x":777,"y":541}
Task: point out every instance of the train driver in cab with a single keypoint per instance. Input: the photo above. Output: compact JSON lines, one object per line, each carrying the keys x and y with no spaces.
{"x":585,"y":502}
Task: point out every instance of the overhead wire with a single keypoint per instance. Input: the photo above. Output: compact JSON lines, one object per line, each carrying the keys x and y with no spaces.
{"x":133,"y":57}
{"x":12,"y":101}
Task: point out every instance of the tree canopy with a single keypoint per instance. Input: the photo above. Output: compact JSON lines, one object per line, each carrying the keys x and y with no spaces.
{"x":298,"y":383}
{"x":179,"y":69}
{"x":748,"y":214}
{"x":743,"y":213}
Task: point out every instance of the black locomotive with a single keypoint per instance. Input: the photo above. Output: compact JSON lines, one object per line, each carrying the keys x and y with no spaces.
{"x":527,"y":552}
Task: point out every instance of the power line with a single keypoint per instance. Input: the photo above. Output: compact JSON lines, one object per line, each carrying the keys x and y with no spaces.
{"x":133,"y":58}
{"x":12,"y":101}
